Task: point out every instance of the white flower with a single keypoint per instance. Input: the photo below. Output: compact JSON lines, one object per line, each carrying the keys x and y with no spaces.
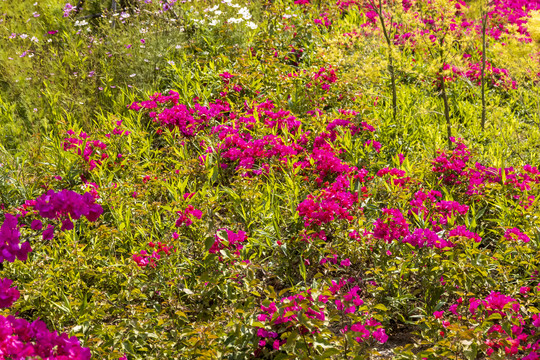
{"x":218,"y":12}
{"x":132,"y":75}
{"x":287,"y":16}
{"x":235,"y":21}
{"x":251,"y":25}
{"x":244,"y":12}
{"x":23,"y":36}
{"x":34,"y":39}
{"x":81,"y":23}
{"x":213,"y":22}
{"x":170,"y":62}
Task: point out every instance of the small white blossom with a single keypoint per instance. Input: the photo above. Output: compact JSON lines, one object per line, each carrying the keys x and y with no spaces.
{"x":244,"y":12}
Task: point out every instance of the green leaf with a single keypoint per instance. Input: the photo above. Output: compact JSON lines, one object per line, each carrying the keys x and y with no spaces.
{"x":208,"y":243}
{"x":495,"y":316}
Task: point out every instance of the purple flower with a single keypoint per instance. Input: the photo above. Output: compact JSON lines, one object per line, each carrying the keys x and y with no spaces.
{"x":8,"y":295}
{"x":36,"y":225}
{"x":10,"y":246}
{"x":48,"y":234}
{"x":68,"y":8}
{"x":345,"y":263}
{"x":29,"y":340}
{"x":380,"y":335}
{"x":516,"y":234}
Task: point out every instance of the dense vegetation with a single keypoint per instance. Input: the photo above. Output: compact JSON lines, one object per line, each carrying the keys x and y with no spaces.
{"x":286,"y":179}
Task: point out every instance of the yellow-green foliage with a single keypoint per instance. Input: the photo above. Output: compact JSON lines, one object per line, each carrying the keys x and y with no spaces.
{"x":533,"y":25}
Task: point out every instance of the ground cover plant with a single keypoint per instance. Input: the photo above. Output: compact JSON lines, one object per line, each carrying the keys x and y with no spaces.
{"x":286,"y":179}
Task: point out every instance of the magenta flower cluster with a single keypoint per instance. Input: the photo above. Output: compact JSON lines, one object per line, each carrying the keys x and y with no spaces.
{"x":515,"y":234}
{"x":233,"y":242}
{"x":185,"y":217}
{"x":92,"y":151}
{"x":334,"y":202}
{"x":512,"y":334}
{"x":10,"y":246}
{"x":20,"y":340}
{"x":393,"y":226}
{"x":503,"y":16}
{"x":66,"y":205}
{"x":149,"y":258}
{"x":455,"y":169}
{"x":188,"y":121}
{"x":86,"y":148}
{"x":8,"y":294}
{"x":286,"y":315}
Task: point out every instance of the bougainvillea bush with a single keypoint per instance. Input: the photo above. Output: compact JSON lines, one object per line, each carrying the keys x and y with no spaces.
{"x":288,"y":179}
